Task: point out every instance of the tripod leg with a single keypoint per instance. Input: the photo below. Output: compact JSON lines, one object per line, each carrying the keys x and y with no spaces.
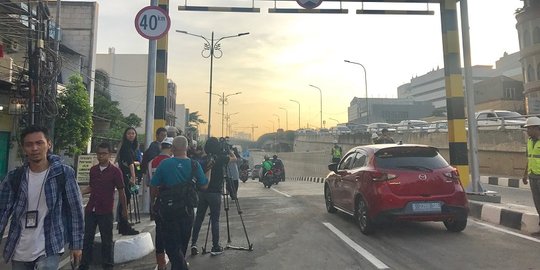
{"x":136,"y":206}
{"x":250,"y":246}
{"x":226,"y":207}
{"x":207,"y":232}
{"x":130,"y":212}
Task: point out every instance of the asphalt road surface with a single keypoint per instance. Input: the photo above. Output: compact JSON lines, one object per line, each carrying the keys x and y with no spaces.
{"x":290,"y":229}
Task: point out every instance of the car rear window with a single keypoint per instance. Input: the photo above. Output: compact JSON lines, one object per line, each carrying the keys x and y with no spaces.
{"x":407,"y":158}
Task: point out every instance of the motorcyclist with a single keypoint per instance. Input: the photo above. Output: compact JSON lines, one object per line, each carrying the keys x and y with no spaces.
{"x":244,"y":166}
{"x":266,"y":165}
{"x":278,"y":164}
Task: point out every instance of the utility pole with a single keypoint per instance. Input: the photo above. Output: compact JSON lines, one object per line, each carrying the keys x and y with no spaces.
{"x":252,"y":127}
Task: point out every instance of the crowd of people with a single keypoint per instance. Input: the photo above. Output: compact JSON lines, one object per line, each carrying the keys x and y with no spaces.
{"x":42,"y":200}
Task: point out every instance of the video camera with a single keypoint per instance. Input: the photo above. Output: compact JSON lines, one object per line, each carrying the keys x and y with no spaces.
{"x":224,"y":145}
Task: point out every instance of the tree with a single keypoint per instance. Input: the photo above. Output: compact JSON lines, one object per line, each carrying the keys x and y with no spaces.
{"x":194,"y":119}
{"x":133,"y":120}
{"x":74,"y":119}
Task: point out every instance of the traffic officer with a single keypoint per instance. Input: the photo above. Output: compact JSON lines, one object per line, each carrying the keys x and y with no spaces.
{"x":532,"y":169}
{"x":337,"y":152}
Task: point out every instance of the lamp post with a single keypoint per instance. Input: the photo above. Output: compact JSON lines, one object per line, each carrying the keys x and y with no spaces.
{"x":278,"y":120}
{"x":273,"y":126}
{"x":286,"y":118}
{"x":365,"y":79}
{"x":320,"y":93}
{"x":211,"y":47}
{"x":297,"y":102}
{"x":223,"y":100}
{"x":334,"y":120}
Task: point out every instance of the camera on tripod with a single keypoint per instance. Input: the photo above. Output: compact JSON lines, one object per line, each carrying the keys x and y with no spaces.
{"x":225,"y":146}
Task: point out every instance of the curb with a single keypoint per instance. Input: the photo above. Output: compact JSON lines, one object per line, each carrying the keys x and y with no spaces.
{"x":518,"y":219}
{"x":308,"y":179}
{"x":504,"y":181}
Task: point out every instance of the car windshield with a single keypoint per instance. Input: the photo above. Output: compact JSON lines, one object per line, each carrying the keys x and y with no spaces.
{"x":511,"y":116}
{"x":407,"y":158}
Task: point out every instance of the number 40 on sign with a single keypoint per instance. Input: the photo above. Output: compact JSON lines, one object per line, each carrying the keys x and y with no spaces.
{"x":152,"y":22}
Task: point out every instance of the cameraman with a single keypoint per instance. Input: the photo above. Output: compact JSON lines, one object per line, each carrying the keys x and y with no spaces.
{"x":219,"y":157}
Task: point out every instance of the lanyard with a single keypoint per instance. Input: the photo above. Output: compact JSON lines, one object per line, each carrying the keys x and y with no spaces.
{"x":42,"y":185}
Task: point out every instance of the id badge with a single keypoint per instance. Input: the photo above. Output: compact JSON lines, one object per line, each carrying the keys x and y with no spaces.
{"x":31,"y":219}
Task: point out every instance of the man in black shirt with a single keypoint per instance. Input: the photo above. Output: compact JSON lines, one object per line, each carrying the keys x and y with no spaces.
{"x":211,"y":197}
{"x":154,"y":149}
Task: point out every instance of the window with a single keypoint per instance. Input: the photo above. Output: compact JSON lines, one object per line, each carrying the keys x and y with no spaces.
{"x":482,"y":116}
{"x":536,"y":35}
{"x":359,"y":160}
{"x":346,"y":162}
{"x":410,"y":158}
{"x":530,"y":73}
{"x":509,"y":93}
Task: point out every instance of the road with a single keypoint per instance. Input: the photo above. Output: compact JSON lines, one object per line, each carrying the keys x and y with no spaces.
{"x":290,"y":229}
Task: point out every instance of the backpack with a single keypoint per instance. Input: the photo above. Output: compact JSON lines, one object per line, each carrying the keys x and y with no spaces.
{"x":179,"y":199}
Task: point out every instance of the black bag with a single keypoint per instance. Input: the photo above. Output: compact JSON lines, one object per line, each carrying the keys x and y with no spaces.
{"x":179,"y":199}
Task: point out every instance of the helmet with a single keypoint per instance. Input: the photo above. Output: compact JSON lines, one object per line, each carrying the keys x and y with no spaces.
{"x":266,"y":157}
{"x":532,"y":121}
{"x":274,"y":156}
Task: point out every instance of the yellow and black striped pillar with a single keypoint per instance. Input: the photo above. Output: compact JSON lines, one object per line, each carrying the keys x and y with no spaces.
{"x":455,"y":101}
{"x":160,"y":109}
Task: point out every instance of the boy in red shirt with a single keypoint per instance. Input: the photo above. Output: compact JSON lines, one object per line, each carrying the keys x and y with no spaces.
{"x":104,"y":178}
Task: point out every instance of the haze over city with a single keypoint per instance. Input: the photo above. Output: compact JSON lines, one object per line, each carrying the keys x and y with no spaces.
{"x":285,"y":53}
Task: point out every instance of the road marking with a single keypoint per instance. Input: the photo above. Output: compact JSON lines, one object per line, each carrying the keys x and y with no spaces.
{"x":64,"y":262}
{"x":282,"y":193}
{"x":507,"y":231}
{"x":356,"y":247}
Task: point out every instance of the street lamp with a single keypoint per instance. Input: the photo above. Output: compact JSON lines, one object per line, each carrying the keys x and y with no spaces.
{"x":334,"y":120}
{"x":365,"y":79}
{"x":223,"y":100}
{"x":286,"y":118}
{"x":297,"y":102}
{"x":211,"y":47}
{"x":273,"y":126}
{"x":278,"y":120}
{"x":320,"y":93}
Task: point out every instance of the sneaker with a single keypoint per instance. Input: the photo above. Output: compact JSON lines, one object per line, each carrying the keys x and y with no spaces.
{"x":216,"y":250}
{"x":194,"y":250}
{"x":130,"y":231}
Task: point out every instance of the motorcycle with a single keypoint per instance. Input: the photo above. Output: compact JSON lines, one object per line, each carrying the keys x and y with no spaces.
{"x":244,"y":175}
{"x":268,"y":179}
{"x":278,"y":175}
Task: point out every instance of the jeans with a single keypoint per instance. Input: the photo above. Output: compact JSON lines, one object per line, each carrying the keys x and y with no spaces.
{"x":176,"y":234}
{"x":535,"y":189}
{"x":212,"y":200}
{"x":160,"y":246}
{"x":41,"y":263}
{"x":105,"y":223}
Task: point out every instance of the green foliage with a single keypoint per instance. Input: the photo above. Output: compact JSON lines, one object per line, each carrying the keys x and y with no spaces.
{"x":194,"y":119}
{"x":133,"y":120}
{"x":74,"y":121}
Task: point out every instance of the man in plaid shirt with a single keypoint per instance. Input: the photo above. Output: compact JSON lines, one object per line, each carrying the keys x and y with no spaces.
{"x":45,"y":205}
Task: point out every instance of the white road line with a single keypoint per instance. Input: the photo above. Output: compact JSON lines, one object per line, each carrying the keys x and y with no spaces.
{"x":356,"y":247}
{"x":507,"y":231}
{"x":282,"y":193}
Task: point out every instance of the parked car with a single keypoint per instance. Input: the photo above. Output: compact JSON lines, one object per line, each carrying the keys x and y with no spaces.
{"x":412,"y":126}
{"x":357,"y":128}
{"x":256,"y":172}
{"x":323,"y":131}
{"x":378,"y":127}
{"x":499,"y":119}
{"x":438,"y":126}
{"x":339,"y":130}
{"x":377,"y":183}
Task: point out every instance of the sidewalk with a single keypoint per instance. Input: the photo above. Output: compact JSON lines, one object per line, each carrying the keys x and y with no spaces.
{"x":515,"y":211}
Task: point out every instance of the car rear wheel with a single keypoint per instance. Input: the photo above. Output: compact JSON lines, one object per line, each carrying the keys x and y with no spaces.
{"x":328,"y":200}
{"x":364,"y":221}
{"x":456,"y":224}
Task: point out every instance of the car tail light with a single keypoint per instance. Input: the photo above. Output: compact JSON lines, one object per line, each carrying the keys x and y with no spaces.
{"x":380,"y":176}
{"x":453,"y":175}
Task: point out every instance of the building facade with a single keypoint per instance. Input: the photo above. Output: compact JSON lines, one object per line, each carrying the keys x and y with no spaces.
{"x":528,"y":26}
{"x":170,"y":110}
{"x":501,"y":92}
{"x":387,"y":110}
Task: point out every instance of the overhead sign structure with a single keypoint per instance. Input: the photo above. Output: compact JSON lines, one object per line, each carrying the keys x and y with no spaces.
{"x":309,"y":4}
{"x":152,"y":22}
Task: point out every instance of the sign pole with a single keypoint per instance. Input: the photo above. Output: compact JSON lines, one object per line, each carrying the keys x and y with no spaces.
{"x":150,"y":105}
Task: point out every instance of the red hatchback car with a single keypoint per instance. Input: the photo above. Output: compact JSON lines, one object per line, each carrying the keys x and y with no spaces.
{"x":385,"y":182}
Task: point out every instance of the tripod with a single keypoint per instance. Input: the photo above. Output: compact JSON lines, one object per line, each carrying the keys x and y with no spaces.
{"x":226,"y":193}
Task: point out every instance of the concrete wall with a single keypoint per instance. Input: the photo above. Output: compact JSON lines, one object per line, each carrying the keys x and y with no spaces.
{"x":501,"y":153}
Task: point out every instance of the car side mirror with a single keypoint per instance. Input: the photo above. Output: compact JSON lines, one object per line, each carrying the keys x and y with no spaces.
{"x":333,"y":167}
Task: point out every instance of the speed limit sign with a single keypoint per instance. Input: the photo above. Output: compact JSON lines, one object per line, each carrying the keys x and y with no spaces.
{"x":152,"y":22}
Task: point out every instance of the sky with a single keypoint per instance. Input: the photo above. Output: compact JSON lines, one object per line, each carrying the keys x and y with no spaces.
{"x":285,"y":53}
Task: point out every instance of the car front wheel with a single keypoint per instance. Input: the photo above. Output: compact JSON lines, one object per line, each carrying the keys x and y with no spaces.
{"x":456,"y":224}
{"x":364,"y":221}
{"x":328,"y":200}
